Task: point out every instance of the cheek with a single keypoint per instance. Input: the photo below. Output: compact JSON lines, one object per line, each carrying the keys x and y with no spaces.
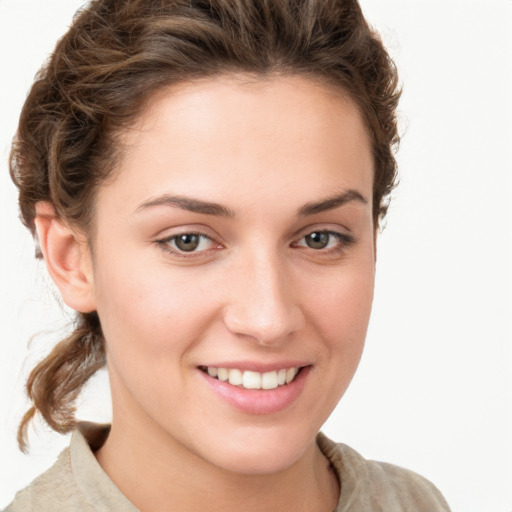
{"x":339,"y":309}
{"x":342,"y":305}
{"x":151,"y":321}
{"x":147,"y":314}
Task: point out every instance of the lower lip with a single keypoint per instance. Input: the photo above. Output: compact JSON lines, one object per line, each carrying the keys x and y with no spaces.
{"x":257,"y":401}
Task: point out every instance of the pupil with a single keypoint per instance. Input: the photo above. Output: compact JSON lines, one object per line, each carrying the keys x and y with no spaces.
{"x":187,"y":242}
{"x":317,"y":240}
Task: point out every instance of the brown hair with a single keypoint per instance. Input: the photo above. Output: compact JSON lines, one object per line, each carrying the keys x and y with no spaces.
{"x":116,"y":54}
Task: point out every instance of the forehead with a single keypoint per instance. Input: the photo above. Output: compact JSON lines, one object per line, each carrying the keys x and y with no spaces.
{"x":238,"y":137}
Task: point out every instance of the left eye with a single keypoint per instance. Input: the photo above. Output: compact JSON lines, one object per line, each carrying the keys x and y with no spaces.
{"x":321,"y":240}
{"x":189,"y":242}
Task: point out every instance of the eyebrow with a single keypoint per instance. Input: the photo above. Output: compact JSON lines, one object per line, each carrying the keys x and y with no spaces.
{"x":332,"y":202}
{"x":210,"y":208}
{"x":187,"y":203}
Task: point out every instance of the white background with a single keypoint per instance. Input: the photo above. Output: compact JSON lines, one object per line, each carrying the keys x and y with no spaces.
{"x":434,"y":390}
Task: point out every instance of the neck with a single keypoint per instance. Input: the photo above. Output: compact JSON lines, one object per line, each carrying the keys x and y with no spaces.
{"x":155,"y":472}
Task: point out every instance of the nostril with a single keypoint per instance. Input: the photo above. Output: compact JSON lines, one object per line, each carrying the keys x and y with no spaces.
{"x":265,"y":327}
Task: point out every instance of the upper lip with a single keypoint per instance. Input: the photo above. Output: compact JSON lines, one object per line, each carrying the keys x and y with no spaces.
{"x":256,"y":366}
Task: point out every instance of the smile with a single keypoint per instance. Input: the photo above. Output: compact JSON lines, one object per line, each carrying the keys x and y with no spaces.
{"x":248,"y":379}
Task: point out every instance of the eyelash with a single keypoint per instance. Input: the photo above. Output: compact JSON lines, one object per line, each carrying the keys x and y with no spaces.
{"x":344,"y":242}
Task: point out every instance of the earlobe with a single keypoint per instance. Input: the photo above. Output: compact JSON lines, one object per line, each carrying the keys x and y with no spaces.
{"x":67,"y":258}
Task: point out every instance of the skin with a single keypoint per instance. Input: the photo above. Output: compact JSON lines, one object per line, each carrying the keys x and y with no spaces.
{"x":253,"y":290}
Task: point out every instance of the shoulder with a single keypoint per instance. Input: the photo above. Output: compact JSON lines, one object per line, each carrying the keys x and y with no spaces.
{"x":378,"y":486}
{"x":76,"y":481}
{"x":55,"y":487}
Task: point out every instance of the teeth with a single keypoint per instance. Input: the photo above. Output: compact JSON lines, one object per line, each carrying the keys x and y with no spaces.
{"x":251,"y":380}
{"x":269,"y":380}
{"x":254,"y":380}
{"x":235,"y":377}
{"x":222,"y":374}
{"x":290,"y":374}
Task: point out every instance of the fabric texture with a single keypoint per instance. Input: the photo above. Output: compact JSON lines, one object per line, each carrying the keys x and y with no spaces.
{"x":77,"y":483}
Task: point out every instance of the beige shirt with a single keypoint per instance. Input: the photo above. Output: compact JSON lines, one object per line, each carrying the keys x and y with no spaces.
{"x":77,"y":483}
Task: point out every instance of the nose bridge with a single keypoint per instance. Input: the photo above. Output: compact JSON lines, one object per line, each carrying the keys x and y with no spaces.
{"x":263,"y":305}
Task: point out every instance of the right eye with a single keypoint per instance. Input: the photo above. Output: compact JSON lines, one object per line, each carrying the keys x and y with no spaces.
{"x":187,"y":243}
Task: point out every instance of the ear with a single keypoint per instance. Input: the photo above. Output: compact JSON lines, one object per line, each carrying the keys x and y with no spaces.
{"x":67,"y":257}
{"x":375,"y":240}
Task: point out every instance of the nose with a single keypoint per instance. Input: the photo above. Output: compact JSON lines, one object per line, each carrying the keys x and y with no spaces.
{"x":264,"y":304}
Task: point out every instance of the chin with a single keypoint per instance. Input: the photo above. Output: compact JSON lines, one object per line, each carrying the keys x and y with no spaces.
{"x":260,"y":451}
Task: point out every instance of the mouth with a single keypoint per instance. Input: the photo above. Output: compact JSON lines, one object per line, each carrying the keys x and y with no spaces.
{"x":257,"y":392}
{"x":248,"y":379}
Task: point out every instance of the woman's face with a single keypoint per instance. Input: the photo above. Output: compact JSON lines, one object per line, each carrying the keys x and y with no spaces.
{"x":236,"y":242}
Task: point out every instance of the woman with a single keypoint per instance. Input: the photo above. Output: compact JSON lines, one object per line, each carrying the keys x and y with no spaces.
{"x":205,"y":182}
